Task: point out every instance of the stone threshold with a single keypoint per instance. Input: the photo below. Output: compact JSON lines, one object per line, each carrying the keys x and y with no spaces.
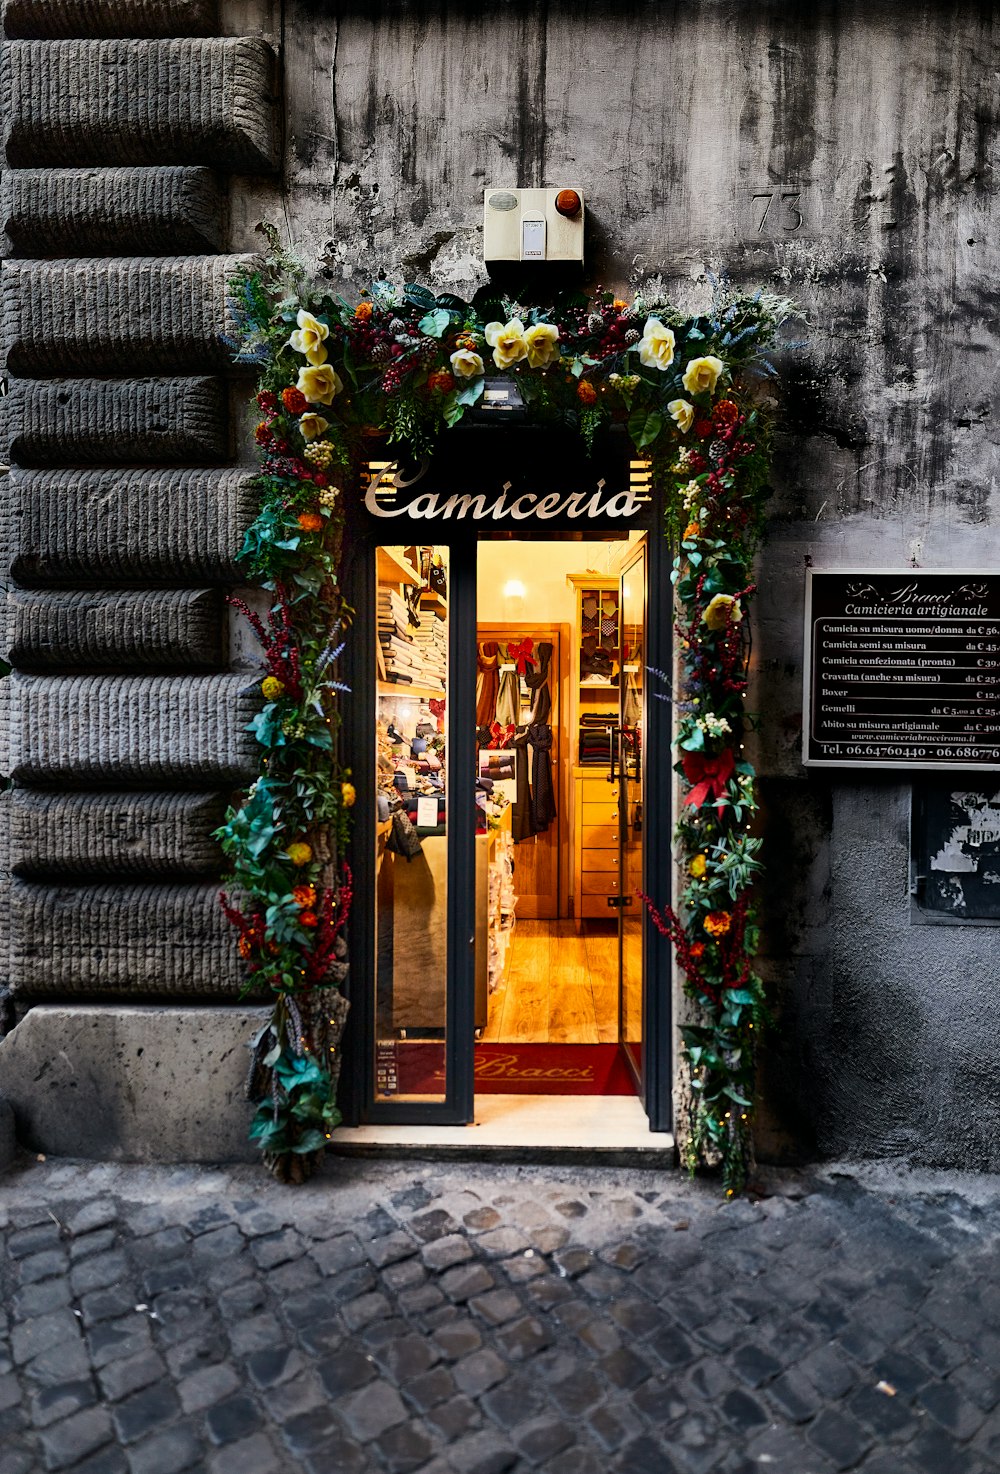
{"x":526,"y":1128}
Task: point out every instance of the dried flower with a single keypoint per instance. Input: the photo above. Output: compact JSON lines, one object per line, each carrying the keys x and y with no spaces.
{"x":717,"y":923}
{"x":725,"y":412}
{"x":363,"y":311}
{"x":304,"y":895}
{"x":697,"y":865}
{"x":692,"y":530}
{"x":299,"y":853}
{"x":441,"y":382}
{"x":328,"y":496}
{"x":308,"y":918}
{"x":656,"y":346}
{"x":722,"y":611}
{"x":697,"y":950}
{"x":319,"y":385}
{"x":466,"y":364}
{"x":272,"y":688}
{"x":310,"y":521}
{"x":585,"y":392}
{"x":294,"y":401}
{"x":309,"y":338}
{"x":348,"y":793}
{"x":682,"y":414}
{"x":312,"y":425}
{"x":702,"y":374}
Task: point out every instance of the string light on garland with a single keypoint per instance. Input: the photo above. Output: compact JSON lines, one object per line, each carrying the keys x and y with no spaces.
{"x":410,"y":364}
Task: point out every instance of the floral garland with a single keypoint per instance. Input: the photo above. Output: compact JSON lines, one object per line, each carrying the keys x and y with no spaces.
{"x":411,"y":364}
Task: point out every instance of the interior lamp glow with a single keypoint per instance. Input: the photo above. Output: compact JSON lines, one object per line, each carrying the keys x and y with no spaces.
{"x":514,"y":589}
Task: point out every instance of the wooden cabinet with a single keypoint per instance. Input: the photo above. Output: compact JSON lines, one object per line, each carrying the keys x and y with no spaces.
{"x":596,"y":848}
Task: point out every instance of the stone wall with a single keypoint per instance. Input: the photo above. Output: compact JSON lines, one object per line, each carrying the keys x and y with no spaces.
{"x":122,"y":724}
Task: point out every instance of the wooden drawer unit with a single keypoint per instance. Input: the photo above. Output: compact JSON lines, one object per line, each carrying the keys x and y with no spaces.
{"x":596,"y":846}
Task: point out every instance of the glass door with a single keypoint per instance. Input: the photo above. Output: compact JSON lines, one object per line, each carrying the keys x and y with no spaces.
{"x":631,"y":787}
{"x":420,"y":1042}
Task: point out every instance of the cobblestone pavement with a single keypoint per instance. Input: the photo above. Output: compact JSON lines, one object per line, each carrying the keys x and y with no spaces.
{"x":479,"y":1318}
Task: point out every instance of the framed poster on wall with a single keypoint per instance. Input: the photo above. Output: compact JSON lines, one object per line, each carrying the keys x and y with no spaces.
{"x":901,"y":669}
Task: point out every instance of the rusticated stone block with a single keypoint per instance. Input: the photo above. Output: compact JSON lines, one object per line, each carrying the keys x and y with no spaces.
{"x":53,"y":19}
{"x":124,"y":941}
{"x":132,"y":835}
{"x":121,"y":527}
{"x":147,"y":1084}
{"x":116,"y":420}
{"x":169,"y":731}
{"x":110,"y":212}
{"x":142,"y":315}
{"x":115,"y":630}
{"x":204,"y":101}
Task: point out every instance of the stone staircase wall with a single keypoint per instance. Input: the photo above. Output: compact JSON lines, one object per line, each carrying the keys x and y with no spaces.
{"x":122,"y":725}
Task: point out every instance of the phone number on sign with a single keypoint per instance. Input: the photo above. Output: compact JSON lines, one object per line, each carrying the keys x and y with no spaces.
{"x":982,"y":754}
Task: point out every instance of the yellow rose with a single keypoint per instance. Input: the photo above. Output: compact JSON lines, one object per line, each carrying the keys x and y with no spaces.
{"x":299,"y":853}
{"x":319,"y":385}
{"x":312,"y":425}
{"x":702,"y":374}
{"x":466,"y":365}
{"x":309,"y":338}
{"x":697,"y":866}
{"x":682,"y":414}
{"x":543,"y":344}
{"x":722,"y":610}
{"x":271,"y":688}
{"x":507,"y":342}
{"x":656,"y":346}
{"x":348,"y":794}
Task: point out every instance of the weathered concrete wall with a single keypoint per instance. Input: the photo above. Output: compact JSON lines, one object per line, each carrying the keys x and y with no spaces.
{"x":873,"y":128}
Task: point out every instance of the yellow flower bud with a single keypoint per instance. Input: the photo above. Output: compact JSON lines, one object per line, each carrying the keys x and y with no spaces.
{"x":697,"y":866}
{"x":348,"y":793}
{"x":299,"y":853}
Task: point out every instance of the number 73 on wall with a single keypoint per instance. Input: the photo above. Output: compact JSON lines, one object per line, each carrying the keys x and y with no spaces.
{"x":776,"y":210}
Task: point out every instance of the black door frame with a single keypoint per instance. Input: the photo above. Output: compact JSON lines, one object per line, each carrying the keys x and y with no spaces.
{"x":495,"y":449}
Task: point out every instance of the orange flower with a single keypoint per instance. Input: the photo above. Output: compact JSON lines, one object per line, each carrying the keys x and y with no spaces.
{"x":717,"y":923}
{"x":294,"y":401}
{"x":726,"y":412}
{"x":619,"y":304}
{"x":703,"y":429}
{"x":697,"y":950}
{"x":585,"y":392}
{"x":304,"y":895}
{"x":246,"y":948}
{"x":692,"y":530}
{"x":441,"y":381}
{"x":310,"y":521}
{"x":363,"y":311}
{"x":309,"y":918}
{"x":465,"y":340}
{"x":262,"y":432}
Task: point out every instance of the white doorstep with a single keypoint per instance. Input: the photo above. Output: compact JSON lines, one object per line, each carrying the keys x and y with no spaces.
{"x":592,"y":1123}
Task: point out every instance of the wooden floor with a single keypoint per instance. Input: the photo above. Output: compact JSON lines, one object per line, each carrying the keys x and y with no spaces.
{"x":561,"y":986}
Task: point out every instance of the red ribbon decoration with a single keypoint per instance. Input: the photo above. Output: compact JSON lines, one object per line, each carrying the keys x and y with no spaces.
{"x":520,"y":652}
{"x":709,"y":776}
{"x":501,"y":735}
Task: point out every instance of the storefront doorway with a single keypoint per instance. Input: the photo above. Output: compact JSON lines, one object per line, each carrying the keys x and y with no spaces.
{"x":512,"y":718}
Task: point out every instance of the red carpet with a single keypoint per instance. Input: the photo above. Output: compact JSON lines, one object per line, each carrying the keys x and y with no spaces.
{"x":417,"y":1068}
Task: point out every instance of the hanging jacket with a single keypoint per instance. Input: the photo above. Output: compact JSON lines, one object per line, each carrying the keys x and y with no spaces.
{"x":487,"y":683}
{"x":543,"y":794}
{"x":538,"y":683}
{"x":522,"y":820}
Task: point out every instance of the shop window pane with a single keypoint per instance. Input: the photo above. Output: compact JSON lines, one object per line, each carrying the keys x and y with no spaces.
{"x":411,"y":970}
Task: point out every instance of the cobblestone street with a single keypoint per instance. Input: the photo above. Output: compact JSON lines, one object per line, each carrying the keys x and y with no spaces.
{"x":480,"y":1318}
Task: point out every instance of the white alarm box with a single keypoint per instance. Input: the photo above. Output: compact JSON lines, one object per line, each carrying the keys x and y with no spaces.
{"x":533,"y":224}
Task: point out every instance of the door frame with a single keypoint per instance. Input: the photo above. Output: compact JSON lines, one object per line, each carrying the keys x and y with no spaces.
{"x":363,"y":535}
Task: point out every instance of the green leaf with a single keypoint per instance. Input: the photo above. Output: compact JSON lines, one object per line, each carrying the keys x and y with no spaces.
{"x":471,"y":392}
{"x":741,"y":995}
{"x":435,"y":324}
{"x":651,"y":429}
{"x":417,"y":296}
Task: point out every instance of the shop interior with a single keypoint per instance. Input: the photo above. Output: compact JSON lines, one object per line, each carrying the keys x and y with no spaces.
{"x":558,"y":694}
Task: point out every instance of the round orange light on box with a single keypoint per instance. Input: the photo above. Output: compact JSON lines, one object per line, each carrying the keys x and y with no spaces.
{"x":568,"y":203}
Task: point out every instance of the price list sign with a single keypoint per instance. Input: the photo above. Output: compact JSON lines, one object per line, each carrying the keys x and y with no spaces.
{"x":902,"y":670}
